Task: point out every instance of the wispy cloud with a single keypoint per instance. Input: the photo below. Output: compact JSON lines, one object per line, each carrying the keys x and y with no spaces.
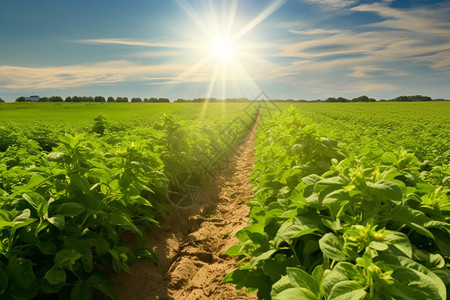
{"x":156,"y":54}
{"x":407,"y":38}
{"x":17,"y":78}
{"x":139,"y":43}
{"x":434,"y":21}
{"x":371,"y":71}
{"x":332,"y":4}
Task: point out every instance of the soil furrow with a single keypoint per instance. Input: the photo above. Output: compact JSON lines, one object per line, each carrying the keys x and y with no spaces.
{"x":191,"y":244}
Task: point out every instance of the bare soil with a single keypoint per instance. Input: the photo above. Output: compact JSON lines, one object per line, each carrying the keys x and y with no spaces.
{"x":191,"y":243}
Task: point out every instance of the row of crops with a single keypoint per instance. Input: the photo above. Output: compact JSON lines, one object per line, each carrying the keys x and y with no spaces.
{"x":67,"y":195}
{"x":340,"y":211}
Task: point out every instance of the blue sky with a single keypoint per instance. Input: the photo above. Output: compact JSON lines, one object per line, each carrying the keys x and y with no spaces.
{"x":299,"y":49}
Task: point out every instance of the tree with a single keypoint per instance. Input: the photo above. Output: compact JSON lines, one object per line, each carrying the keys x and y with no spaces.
{"x":21,"y":99}
{"x":55,"y":99}
{"x":110,"y":99}
{"x":43,"y":99}
{"x":122,"y":99}
{"x":163,"y":100}
{"x":68,"y":99}
{"x":99,"y":99}
{"x":402,"y":99}
{"x":363,"y":98}
{"x":2,"y":101}
{"x":136,"y":100}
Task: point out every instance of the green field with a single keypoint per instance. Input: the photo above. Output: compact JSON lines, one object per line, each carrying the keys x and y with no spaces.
{"x":71,"y":185}
{"x":81,"y":113}
{"x":351,"y":202}
{"x":351,"y":199}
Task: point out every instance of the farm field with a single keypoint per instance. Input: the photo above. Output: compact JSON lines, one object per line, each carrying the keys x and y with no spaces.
{"x":344,"y":209}
{"x":349,"y":201}
{"x":422,"y":128}
{"x":77,"y":114}
{"x":67,"y":193}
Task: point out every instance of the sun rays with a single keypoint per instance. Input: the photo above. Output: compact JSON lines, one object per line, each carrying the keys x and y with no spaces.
{"x":221,"y":40}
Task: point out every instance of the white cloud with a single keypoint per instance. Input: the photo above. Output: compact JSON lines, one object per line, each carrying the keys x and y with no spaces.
{"x":16,"y":77}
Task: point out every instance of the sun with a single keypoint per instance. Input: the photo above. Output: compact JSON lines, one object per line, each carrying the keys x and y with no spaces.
{"x":223,"y":48}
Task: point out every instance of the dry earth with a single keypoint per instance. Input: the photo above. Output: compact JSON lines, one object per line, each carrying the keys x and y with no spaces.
{"x":191,"y":243}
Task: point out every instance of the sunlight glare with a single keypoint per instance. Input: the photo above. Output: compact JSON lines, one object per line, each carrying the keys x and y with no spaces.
{"x":223,"y":48}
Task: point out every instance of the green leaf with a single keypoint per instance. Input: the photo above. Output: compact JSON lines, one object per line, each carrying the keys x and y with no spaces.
{"x":35,"y":180}
{"x":20,"y":293}
{"x":413,"y":280}
{"x":55,"y":275}
{"x":332,"y":247}
{"x":318,"y":274}
{"x":234,"y":250}
{"x":47,"y":248}
{"x":102,"y":284}
{"x":399,"y":241}
{"x":347,"y":290}
{"x":300,"y":278}
{"x":385,"y":190}
{"x":336,"y":180}
{"x":335,"y":197}
{"x":101,"y":245}
{"x":379,"y":246}
{"x":55,"y":156}
{"x":57,"y":221}
{"x":295,"y":294}
{"x":349,"y":270}
{"x":260,"y":255}
{"x":331,"y":278}
{"x":413,"y":218}
{"x":311,"y":179}
{"x":147,"y":254}
{"x":282,"y":284}
{"x":70,"y":209}
{"x":442,"y":241}
{"x":3,"y":280}
{"x":289,"y":231}
{"x":102,"y":174}
{"x":66,"y":257}
{"x":20,"y":270}
{"x":81,"y":291}
{"x":80,"y":182}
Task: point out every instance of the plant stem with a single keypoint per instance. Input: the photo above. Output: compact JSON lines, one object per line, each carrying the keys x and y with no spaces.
{"x":292,"y":247}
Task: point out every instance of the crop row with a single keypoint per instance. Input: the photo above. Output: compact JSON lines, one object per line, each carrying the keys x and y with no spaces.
{"x":65,"y":199}
{"x":421,"y":128}
{"x":331,"y":220}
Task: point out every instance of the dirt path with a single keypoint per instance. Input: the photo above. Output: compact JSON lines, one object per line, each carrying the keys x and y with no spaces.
{"x":191,"y":243}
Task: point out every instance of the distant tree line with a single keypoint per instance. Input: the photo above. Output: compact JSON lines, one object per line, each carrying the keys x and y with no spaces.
{"x":98,"y":99}
{"x":363,"y":98}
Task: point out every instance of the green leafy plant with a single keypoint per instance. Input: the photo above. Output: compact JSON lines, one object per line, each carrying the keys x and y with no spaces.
{"x":330,"y":226}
